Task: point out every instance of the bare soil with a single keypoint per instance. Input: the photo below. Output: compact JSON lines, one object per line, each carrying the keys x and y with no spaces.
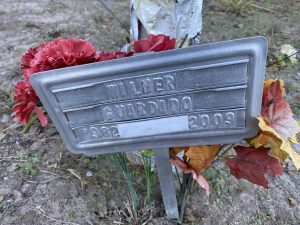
{"x":42,"y":183}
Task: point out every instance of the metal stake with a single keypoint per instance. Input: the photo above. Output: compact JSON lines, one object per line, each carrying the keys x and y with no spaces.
{"x":165,"y":176}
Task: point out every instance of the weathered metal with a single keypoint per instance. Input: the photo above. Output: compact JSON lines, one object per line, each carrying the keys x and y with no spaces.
{"x":167,"y":187}
{"x":176,"y":18}
{"x":207,"y":94}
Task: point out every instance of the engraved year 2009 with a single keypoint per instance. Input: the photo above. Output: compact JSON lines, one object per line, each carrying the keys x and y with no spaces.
{"x":212,"y":120}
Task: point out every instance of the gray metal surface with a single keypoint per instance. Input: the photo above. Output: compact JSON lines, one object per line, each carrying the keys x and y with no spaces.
{"x":206,"y":94}
{"x":165,"y":175}
{"x":177,"y":19}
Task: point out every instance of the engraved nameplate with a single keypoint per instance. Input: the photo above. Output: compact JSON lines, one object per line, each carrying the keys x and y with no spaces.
{"x":207,"y":94}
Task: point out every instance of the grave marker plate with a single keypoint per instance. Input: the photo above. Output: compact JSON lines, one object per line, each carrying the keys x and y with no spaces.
{"x":206,"y":94}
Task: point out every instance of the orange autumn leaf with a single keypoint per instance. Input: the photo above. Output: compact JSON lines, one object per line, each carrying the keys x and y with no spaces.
{"x":269,"y":140}
{"x":285,"y":144}
{"x":200,"y":157}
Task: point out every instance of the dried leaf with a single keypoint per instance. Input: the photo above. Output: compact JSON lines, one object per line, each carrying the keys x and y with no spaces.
{"x":187,"y":169}
{"x":269,"y":82}
{"x":272,"y":142}
{"x":175,"y":151}
{"x":285,"y":144}
{"x":277,"y":114}
{"x":287,"y":147}
{"x":200,"y":157}
{"x":253,"y":164}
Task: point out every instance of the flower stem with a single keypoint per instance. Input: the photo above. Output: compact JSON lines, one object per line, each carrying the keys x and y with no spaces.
{"x":185,"y":188}
{"x":29,"y":124}
{"x":147,"y":159}
{"x":120,"y":162}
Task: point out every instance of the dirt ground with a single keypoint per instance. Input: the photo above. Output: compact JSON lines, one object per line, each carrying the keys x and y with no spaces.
{"x":42,"y":183}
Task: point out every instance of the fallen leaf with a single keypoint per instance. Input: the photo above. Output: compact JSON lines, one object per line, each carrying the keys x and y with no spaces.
{"x":272,"y":142}
{"x":187,"y":169}
{"x":277,"y":114}
{"x":289,"y":149}
{"x":253,"y":164}
{"x":285,"y":144}
{"x":175,"y":151}
{"x":292,"y":202}
{"x":200,"y":157}
{"x":269,"y":82}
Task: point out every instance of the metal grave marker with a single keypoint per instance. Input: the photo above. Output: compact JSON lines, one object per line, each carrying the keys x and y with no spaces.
{"x":206,"y":94}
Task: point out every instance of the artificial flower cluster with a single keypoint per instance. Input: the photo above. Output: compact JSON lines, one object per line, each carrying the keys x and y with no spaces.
{"x":61,"y":53}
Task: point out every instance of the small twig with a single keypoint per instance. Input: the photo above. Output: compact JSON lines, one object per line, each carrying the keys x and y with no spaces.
{"x":72,"y":171}
{"x":54,"y":219}
{"x":89,"y":222}
{"x":262,"y":8}
{"x":283,"y":59}
{"x":80,"y":178}
{"x":177,"y":175}
{"x":222,"y":154}
{"x":117,"y":222}
{"x":37,"y":206}
{"x":182,"y":43}
{"x":15,"y":160}
{"x":10,"y":127}
{"x":147,"y":221}
{"x":44,"y":171}
{"x":9,"y":157}
{"x":46,"y":181}
{"x":114,"y":16}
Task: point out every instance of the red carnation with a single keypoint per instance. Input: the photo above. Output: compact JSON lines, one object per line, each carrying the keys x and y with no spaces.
{"x":57,"y":54}
{"x":47,"y":56}
{"x":154,"y":43}
{"x":26,"y":68}
{"x":26,"y":103}
{"x":104,"y":55}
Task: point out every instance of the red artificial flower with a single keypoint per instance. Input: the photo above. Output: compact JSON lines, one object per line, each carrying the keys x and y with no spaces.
{"x":104,"y":55}
{"x":26,"y":59}
{"x":154,"y":43}
{"x":57,"y":54}
{"x":26,"y":103}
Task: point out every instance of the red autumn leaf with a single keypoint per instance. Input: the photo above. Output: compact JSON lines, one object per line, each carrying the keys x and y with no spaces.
{"x":187,"y":169}
{"x":154,"y":43}
{"x":277,"y":113}
{"x":253,"y":164}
